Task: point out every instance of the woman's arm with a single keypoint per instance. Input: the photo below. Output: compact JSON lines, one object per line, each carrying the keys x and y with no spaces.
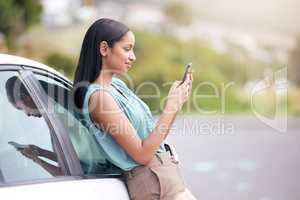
{"x":52,"y":169}
{"x":106,"y":113}
{"x":41,"y":152}
{"x":32,"y":153}
{"x":48,"y":154}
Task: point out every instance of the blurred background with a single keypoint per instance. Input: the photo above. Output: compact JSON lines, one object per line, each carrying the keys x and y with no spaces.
{"x":232,"y":41}
{"x":246,"y":67}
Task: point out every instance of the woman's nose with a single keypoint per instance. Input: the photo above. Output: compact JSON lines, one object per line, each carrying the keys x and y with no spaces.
{"x":132,"y":57}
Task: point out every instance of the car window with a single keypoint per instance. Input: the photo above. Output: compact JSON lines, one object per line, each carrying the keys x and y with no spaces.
{"x":88,"y":150}
{"x":27,"y":151}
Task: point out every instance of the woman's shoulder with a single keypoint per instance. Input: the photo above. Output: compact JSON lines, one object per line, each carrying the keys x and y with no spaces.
{"x":95,"y":86}
{"x":91,"y":90}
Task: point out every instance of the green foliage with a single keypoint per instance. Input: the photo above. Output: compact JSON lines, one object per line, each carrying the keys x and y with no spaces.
{"x":7,"y":14}
{"x":61,"y":63}
{"x":294,"y":67}
{"x":17,"y":15}
{"x":161,"y":59}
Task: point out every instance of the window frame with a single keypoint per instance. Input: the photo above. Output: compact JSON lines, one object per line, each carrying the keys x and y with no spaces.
{"x":66,"y":152}
{"x":70,"y":165}
{"x":70,"y":160}
{"x":69,"y":85}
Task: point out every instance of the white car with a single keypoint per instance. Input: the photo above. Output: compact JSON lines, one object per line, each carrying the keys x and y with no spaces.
{"x":46,"y":150}
{"x":64,"y":160}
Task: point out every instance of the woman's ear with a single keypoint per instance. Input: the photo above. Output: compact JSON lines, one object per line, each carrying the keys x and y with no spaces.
{"x":104,"y":48}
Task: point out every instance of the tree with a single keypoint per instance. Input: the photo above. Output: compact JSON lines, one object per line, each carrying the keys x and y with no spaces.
{"x":178,"y":13}
{"x":62,"y":63}
{"x":17,"y":15}
{"x":294,"y":67}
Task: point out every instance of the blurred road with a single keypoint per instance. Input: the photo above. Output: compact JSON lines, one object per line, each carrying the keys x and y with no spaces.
{"x":238,"y":158}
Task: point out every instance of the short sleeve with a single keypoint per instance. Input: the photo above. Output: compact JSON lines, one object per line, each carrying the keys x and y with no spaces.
{"x":91,"y":90}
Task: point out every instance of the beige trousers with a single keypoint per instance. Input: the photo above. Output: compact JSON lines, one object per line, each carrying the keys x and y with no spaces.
{"x":160,"y":179}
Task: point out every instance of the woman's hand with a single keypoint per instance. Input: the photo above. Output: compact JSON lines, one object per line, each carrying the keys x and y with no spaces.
{"x":31,"y":152}
{"x":178,"y":94}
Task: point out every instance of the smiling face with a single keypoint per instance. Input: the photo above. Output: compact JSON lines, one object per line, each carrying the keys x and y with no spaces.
{"x":120,"y":57}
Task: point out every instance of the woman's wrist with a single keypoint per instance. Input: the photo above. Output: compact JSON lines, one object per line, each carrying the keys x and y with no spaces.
{"x":170,"y":109}
{"x":166,"y":120}
{"x":36,"y":159}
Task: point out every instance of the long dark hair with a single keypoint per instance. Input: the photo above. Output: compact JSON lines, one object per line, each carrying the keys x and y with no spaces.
{"x":90,"y":60}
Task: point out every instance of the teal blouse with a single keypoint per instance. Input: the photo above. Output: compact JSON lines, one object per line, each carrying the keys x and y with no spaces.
{"x":135,"y":110}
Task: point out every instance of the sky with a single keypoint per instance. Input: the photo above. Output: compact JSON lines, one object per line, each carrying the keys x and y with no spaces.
{"x":268,"y":15}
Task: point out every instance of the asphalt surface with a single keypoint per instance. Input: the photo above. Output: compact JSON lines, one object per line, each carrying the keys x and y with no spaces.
{"x":238,"y":157}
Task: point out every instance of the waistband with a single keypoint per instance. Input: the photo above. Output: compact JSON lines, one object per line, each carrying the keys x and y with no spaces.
{"x":160,"y":158}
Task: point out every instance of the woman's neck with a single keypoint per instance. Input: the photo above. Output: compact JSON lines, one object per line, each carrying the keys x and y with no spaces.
{"x":105,"y":78}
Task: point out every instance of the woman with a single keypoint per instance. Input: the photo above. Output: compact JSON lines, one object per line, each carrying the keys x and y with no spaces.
{"x":121,"y":122}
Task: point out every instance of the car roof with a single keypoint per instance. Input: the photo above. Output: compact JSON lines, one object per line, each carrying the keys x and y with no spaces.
{"x":17,"y":60}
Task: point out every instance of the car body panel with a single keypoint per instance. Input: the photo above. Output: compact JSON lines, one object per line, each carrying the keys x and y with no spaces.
{"x":6,"y":59}
{"x":91,"y":189}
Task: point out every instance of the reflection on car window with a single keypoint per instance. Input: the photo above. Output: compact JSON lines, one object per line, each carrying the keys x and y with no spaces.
{"x":88,"y":151}
{"x":27,"y":150}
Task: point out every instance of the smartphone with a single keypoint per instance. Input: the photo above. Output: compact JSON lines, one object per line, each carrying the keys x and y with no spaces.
{"x":188,"y":69}
{"x":18,"y":146}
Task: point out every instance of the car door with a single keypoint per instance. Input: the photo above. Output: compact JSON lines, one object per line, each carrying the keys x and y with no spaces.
{"x":94,"y":167}
{"x":21,"y":176}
